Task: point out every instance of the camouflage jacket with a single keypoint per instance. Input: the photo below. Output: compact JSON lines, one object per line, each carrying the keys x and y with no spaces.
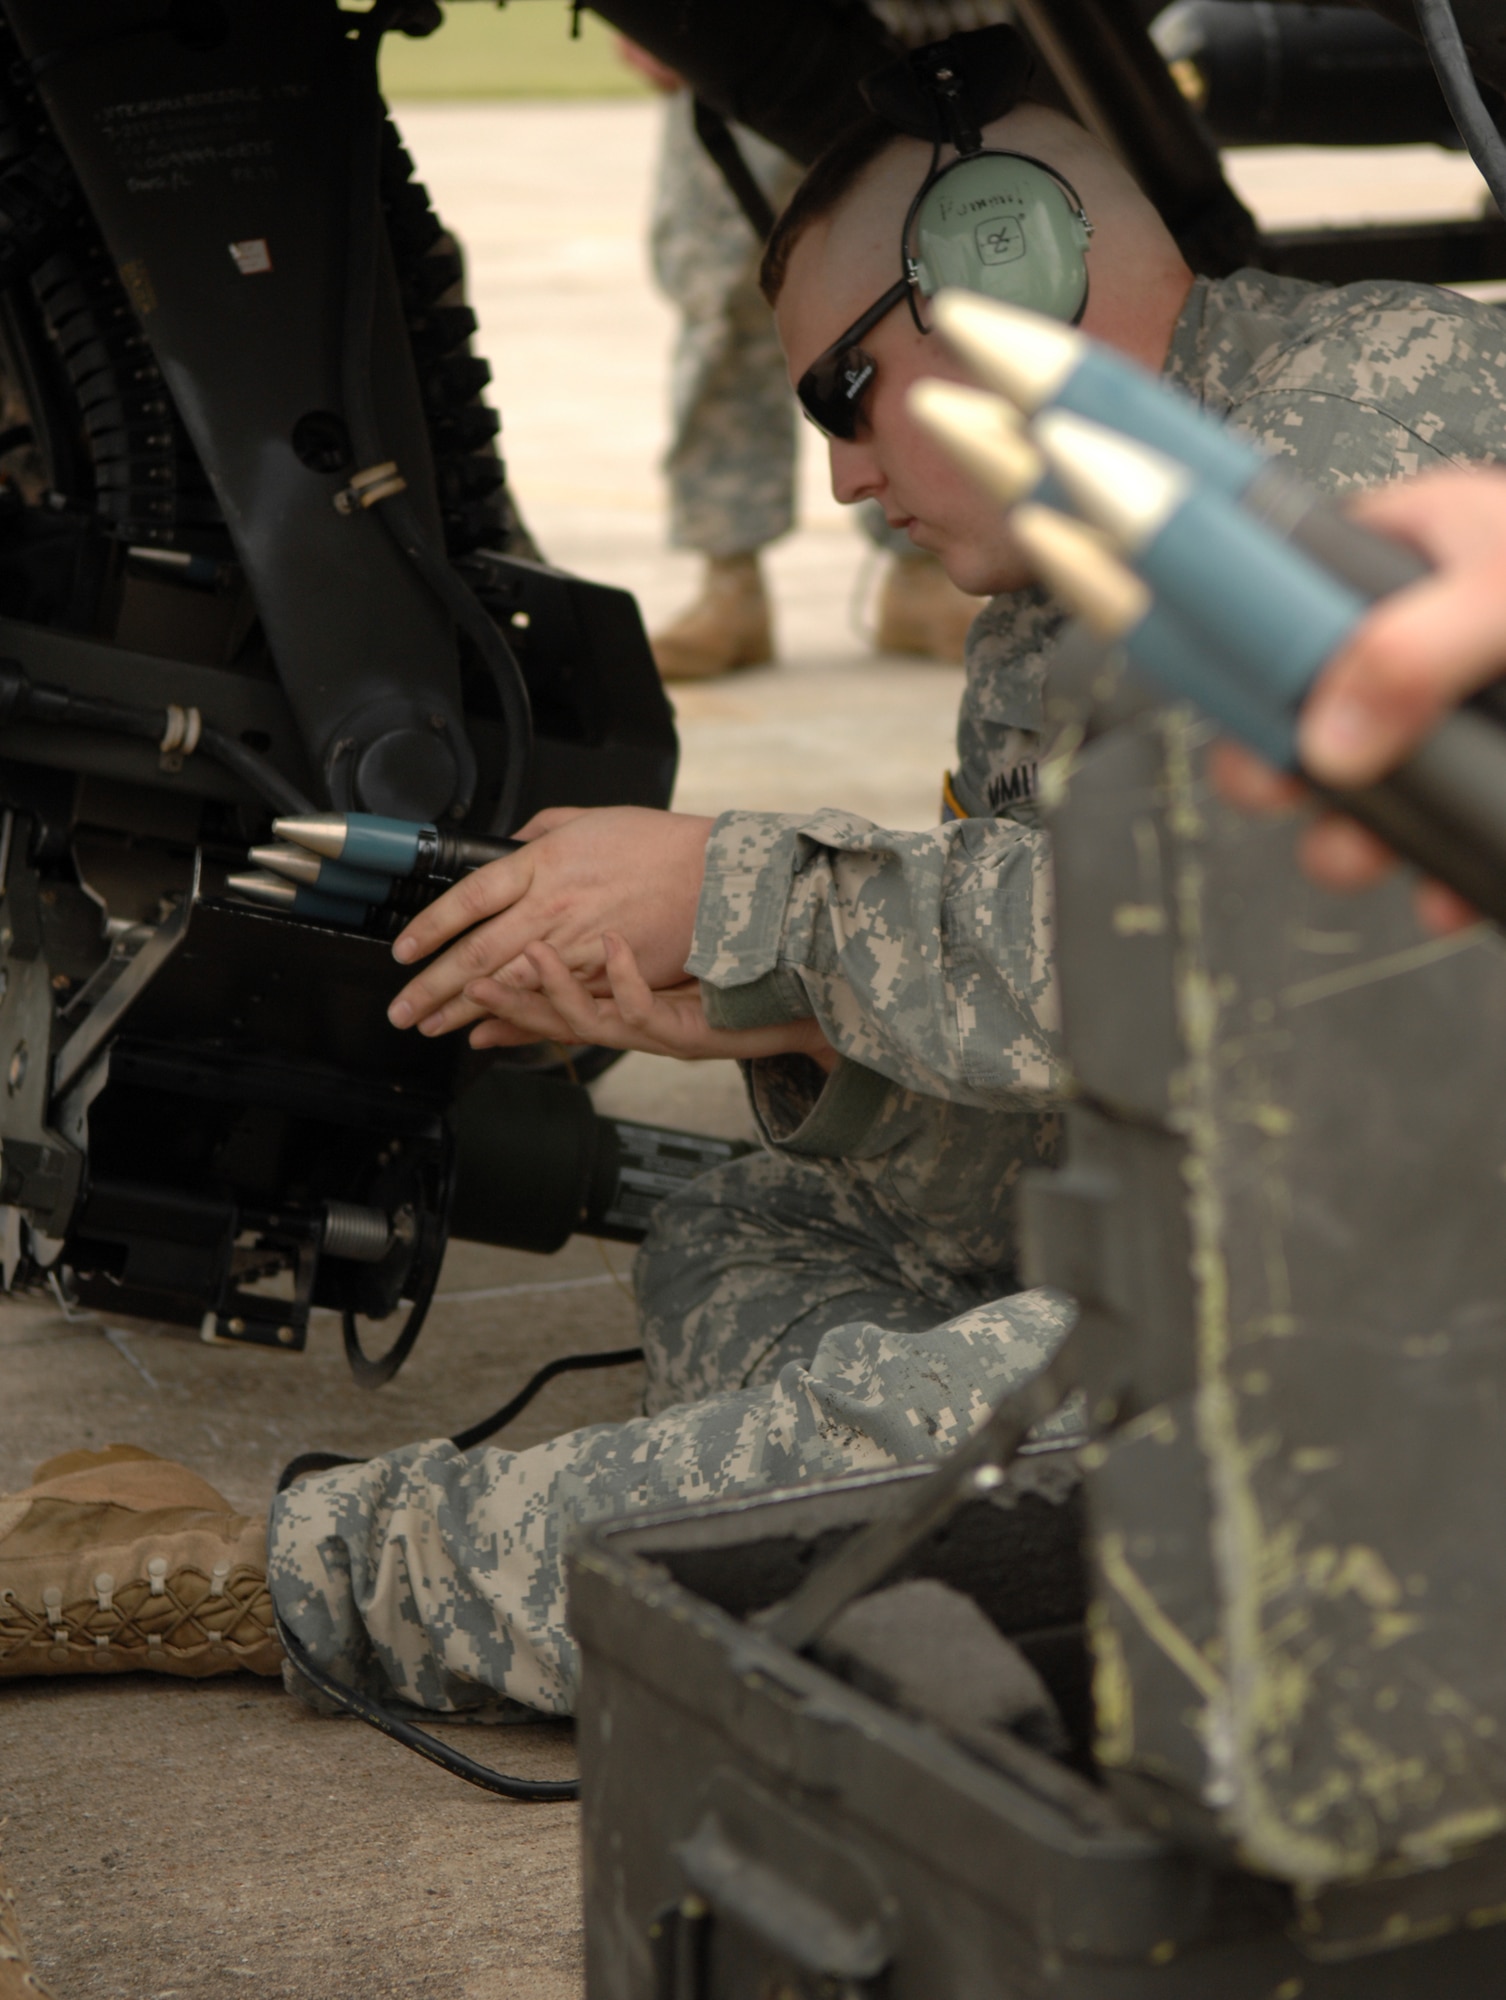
{"x":927,"y":956}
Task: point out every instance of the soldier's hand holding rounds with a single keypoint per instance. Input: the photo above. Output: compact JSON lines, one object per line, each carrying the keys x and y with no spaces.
{"x":577,"y":873}
{"x":631,"y":1015}
{"x":1416,"y":655}
{"x":581,"y":936}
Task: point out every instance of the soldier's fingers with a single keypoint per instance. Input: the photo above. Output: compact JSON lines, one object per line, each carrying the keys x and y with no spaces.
{"x":671,"y":1022}
{"x":585,"y":960}
{"x":1421,"y":651}
{"x":532,"y":1016}
{"x":584,"y":1015}
{"x":524,"y":1007}
{"x":518,"y":973}
{"x":493,"y":1034}
{"x":456,"y":1013}
{"x":1441,"y":911}
{"x":475,"y":956}
{"x":1339,"y":853}
{"x":481,"y":894}
{"x":657,"y":1030}
{"x":631,"y":991}
{"x":1411,"y":660}
{"x":1246,"y":780}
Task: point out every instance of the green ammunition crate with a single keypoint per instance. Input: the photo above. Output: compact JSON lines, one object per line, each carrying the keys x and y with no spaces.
{"x":756,"y":1829}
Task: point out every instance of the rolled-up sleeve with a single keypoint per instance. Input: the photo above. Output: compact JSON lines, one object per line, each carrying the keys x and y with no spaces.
{"x":924,"y":956}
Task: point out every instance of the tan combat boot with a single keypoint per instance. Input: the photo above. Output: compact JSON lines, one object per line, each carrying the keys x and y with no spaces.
{"x":17,"y":1979}
{"x":727,"y":627}
{"x":921,"y":611}
{"x":117,"y":1560}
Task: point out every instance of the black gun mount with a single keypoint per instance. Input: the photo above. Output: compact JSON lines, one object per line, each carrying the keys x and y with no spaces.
{"x":259,"y":556}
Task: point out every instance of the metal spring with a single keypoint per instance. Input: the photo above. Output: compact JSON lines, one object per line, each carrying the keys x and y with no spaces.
{"x":361,"y":1235}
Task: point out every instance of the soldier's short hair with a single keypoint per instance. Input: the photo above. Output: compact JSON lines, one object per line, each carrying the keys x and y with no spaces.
{"x":828,"y":181}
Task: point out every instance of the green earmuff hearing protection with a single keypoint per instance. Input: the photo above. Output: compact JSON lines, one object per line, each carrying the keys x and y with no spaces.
{"x":1004,"y":225}
{"x":999,"y":223}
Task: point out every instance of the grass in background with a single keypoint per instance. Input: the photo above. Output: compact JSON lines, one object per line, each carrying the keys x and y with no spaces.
{"x":521,"y":50}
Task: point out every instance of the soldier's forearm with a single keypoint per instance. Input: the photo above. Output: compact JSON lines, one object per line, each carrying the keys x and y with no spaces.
{"x":923,"y":956}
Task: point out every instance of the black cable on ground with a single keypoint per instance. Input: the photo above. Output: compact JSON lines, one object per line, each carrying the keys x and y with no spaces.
{"x":1461,"y":93}
{"x":615,"y":1357}
{"x":398,"y":1727}
{"x":538,"y":1791}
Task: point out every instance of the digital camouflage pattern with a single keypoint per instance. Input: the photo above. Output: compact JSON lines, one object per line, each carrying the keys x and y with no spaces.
{"x":927,"y":956}
{"x":731,"y":456}
{"x":796,"y":1291}
{"x":437,"y":1575}
{"x":747,"y":1268}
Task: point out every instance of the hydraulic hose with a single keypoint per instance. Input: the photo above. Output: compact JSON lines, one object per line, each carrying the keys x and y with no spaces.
{"x":1450,"y":59}
{"x":259,"y":772}
{"x":23,"y":700}
{"x":536,"y":1790}
{"x":398,"y":514}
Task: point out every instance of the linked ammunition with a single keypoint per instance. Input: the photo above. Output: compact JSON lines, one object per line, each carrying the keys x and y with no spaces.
{"x":278,"y":893}
{"x":1266,"y":613}
{"x":331,"y":878}
{"x":1039,"y":365}
{"x":390,"y":846}
{"x":1073,"y":562}
{"x":986,"y":438}
{"x":1226,"y":612}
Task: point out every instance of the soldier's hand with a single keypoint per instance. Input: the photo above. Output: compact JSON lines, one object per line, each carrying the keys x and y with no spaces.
{"x":580,"y":872}
{"x":1415,"y":656}
{"x":670,"y":1021}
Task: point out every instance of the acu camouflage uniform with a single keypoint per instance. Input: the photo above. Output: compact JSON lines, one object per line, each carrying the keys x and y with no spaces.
{"x":788,"y":1290}
{"x":731,"y":456}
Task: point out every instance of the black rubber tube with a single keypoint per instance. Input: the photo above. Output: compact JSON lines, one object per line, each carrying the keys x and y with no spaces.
{"x":1456,"y":79}
{"x":23,"y":700}
{"x":566,"y":1364}
{"x":398,"y":514}
{"x":535,"y":1791}
{"x":259,"y":772}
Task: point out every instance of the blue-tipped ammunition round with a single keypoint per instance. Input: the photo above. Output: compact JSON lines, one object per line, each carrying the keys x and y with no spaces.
{"x":390,"y":846}
{"x":1272,"y":614}
{"x":337,"y":878}
{"x":1124,"y":398}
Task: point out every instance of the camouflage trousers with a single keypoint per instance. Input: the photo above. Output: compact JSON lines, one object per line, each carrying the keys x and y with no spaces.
{"x":747,"y":1268}
{"x":732,"y":453}
{"x":438,"y":1575}
{"x":790,"y":1313}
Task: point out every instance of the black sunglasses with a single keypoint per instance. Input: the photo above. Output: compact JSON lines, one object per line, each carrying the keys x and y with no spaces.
{"x":832,"y":389}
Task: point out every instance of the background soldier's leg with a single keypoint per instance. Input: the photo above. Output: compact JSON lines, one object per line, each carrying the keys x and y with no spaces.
{"x":439,"y":1575}
{"x":731,"y":455}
